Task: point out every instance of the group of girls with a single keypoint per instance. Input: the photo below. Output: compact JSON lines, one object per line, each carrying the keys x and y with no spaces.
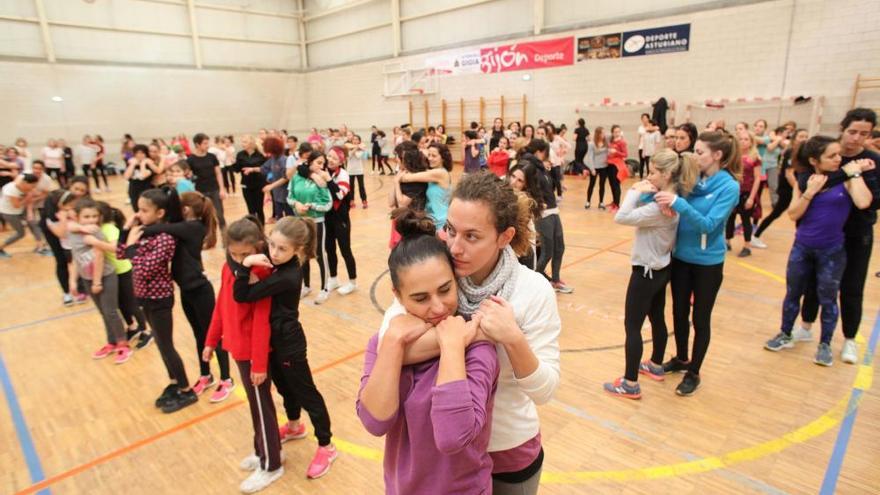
{"x":606,"y":160}
{"x":679,"y":213}
{"x":257,"y":319}
{"x":836,"y":195}
{"x":468,"y":320}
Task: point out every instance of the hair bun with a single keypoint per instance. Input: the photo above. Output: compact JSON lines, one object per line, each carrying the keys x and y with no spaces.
{"x":411,"y":223}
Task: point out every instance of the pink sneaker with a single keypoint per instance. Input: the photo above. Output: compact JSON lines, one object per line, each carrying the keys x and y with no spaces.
{"x":123,"y":353}
{"x":287,"y":433}
{"x":320,"y":464}
{"x":203,"y":383}
{"x":80,"y":298}
{"x":104,"y":351}
{"x":223,"y":390}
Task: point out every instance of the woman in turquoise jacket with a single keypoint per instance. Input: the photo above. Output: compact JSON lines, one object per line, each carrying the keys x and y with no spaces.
{"x":309,"y":197}
{"x":698,"y":258}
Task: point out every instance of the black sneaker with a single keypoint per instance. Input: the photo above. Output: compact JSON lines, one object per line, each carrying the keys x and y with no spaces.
{"x":675,"y":365}
{"x":689,"y":384}
{"x":746,"y":252}
{"x":166,"y":395}
{"x":146,"y":338}
{"x":180,"y":400}
{"x":131,"y":334}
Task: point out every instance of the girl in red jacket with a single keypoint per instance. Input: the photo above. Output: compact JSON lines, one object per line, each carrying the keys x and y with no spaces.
{"x":244,"y":329}
{"x":617,"y":171}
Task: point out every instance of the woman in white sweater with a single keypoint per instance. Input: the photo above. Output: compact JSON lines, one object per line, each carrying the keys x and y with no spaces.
{"x":487,"y":225}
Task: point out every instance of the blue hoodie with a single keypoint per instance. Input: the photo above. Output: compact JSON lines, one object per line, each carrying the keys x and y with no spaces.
{"x":703,"y":216}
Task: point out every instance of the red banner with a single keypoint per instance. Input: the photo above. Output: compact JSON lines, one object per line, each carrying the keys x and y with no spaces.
{"x":524,"y":56}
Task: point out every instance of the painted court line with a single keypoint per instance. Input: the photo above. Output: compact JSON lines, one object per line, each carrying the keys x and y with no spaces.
{"x":21,"y":429}
{"x":862,"y":384}
{"x":597,"y":253}
{"x":158,"y":436}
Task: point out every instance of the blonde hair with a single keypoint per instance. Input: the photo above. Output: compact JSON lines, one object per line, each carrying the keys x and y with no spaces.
{"x":753,"y":149}
{"x":683,"y":169}
{"x":302,"y":233}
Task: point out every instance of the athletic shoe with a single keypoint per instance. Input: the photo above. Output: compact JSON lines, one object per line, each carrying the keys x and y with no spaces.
{"x":781,"y":341}
{"x":601,"y":206}
{"x":348,"y":288}
{"x":620,"y":388}
{"x":613,"y":208}
{"x":320,"y":464}
{"x":203,"y":383}
{"x":287,"y":433}
{"x":675,"y":365}
{"x":179,"y":400}
{"x":223,"y":390}
{"x":80,"y":299}
{"x":123,"y":353}
{"x":850,"y":352}
{"x":745,"y":253}
{"x":587,"y":205}
{"x":652,"y":371}
{"x":332,"y":284}
{"x":801,"y":334}
{"x":824,"y":356}
{"x":689,"y":384}
{"x":166,"y":394}
{"x":104,"y":351}
{"x":132,"y":335}
{"x":364,"y":205}
{"x":758,"y":243}
{"x":45,"y":252}
{"x":259,"y":480}
{"x":561,"y":287}
{"x":252,"y":462}
{"x":322,"y":297}
{"x":146,"y":338}
{"x":306,"y":290}
{"x":4,"y":254}
{"x":67,"y":301}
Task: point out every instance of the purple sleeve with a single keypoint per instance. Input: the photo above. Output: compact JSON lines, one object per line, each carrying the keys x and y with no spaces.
{"x":373,"y":426}
{"x":458,"y":422}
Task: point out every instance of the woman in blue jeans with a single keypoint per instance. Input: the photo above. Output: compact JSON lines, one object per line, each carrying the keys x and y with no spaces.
{"x":818,"y":252}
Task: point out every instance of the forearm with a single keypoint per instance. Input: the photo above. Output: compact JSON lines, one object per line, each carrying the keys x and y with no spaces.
{"x":97,"y":265}
{"x":426,"y":347}
{"x":798,"y":206}
{"x":859,"y":192}
{"x":522,"y":359}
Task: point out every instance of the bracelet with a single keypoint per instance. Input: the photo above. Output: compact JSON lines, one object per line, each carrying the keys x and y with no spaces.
{"x":808,"y":198}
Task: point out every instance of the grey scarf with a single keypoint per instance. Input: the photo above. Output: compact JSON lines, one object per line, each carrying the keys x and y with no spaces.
{"x":500,"y":282}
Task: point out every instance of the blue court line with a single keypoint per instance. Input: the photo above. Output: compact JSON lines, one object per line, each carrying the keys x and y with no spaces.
{"x":21,"y":429}
{"x":46,"y":320}
{"x":832,"y":473}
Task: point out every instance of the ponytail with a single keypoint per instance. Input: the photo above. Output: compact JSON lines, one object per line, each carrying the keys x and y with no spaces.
{"x":112,"y":215}
{"x":203,"y":209}
{"x":302,"y":233}
{"x":683,"y":169}
{"x":729,"y":148}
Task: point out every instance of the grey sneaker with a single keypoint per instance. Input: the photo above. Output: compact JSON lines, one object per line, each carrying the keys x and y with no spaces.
{"x":781,"y":341}
{"x":824,"y":356}
{"x":801,"y":334}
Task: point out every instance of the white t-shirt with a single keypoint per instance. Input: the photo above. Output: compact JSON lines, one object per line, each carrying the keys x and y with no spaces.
{"x":53,"y":157}
{"x":652,"y":140}
{"x":10,"y":190}
{"x":87,"y":154}
{"x":44,"y":184}
{"x":356,"y":162}
{"x":219,"y":153}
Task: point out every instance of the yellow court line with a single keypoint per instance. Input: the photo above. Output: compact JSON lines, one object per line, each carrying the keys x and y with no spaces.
{"x":761,"y":271}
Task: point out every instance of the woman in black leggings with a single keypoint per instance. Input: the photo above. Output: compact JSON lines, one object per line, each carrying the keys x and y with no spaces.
{"x":783,"y":190}
{"x":248,"y":162}
{"x":337,"y":222}
{"x":53,"y":225}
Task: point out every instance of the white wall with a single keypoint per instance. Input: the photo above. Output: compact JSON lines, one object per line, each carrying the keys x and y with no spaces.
{"x":145,"y":102}
{"x":735,"y":52}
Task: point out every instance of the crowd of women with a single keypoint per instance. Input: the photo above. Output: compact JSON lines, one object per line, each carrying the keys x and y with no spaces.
{"x":474,"y":314}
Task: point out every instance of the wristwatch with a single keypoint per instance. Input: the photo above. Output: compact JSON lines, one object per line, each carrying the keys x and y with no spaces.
{"x":856,"y":175}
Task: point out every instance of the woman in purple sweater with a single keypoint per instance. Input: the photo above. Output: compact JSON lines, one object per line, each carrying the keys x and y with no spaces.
{"x":436,"y":440}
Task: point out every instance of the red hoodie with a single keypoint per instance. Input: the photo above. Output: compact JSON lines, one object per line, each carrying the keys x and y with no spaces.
{"x":619,"y":159}
{"x":244,"y":327}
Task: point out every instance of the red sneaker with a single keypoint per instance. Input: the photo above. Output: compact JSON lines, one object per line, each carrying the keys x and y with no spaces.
{"x":123,"y":353}
{"x":203,"y":383}
{"x":287,"y":433}
{"x":223,"y":390}
{"x":320,"y":464}
{"x":104,"y":351}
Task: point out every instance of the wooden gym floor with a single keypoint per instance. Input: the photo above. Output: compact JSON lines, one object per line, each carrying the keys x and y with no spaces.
{"x":761,"y":423}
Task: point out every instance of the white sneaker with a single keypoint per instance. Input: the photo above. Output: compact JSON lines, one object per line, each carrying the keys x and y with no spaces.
{"x":260,"y":479}
{"x":801,"y":334}
{"x":348,"y":288}
{"x":306,"y":290}
{"x":252,"y":462}
{"x":322,"y":297}
{"x":850,"y":352}
{"x":332,"y":284}
{"x":758,"y":243}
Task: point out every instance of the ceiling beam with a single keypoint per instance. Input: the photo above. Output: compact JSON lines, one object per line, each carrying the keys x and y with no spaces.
{"x":538,"y":16}
{"x":194,"y":30}
{"x":44,"y":31}
{"x":395,"y":28}
{"x":334,"y":10}
{"x":303,"y":49}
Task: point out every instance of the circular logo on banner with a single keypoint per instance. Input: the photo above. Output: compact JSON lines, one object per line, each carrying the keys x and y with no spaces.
{"x":634,"y":44}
